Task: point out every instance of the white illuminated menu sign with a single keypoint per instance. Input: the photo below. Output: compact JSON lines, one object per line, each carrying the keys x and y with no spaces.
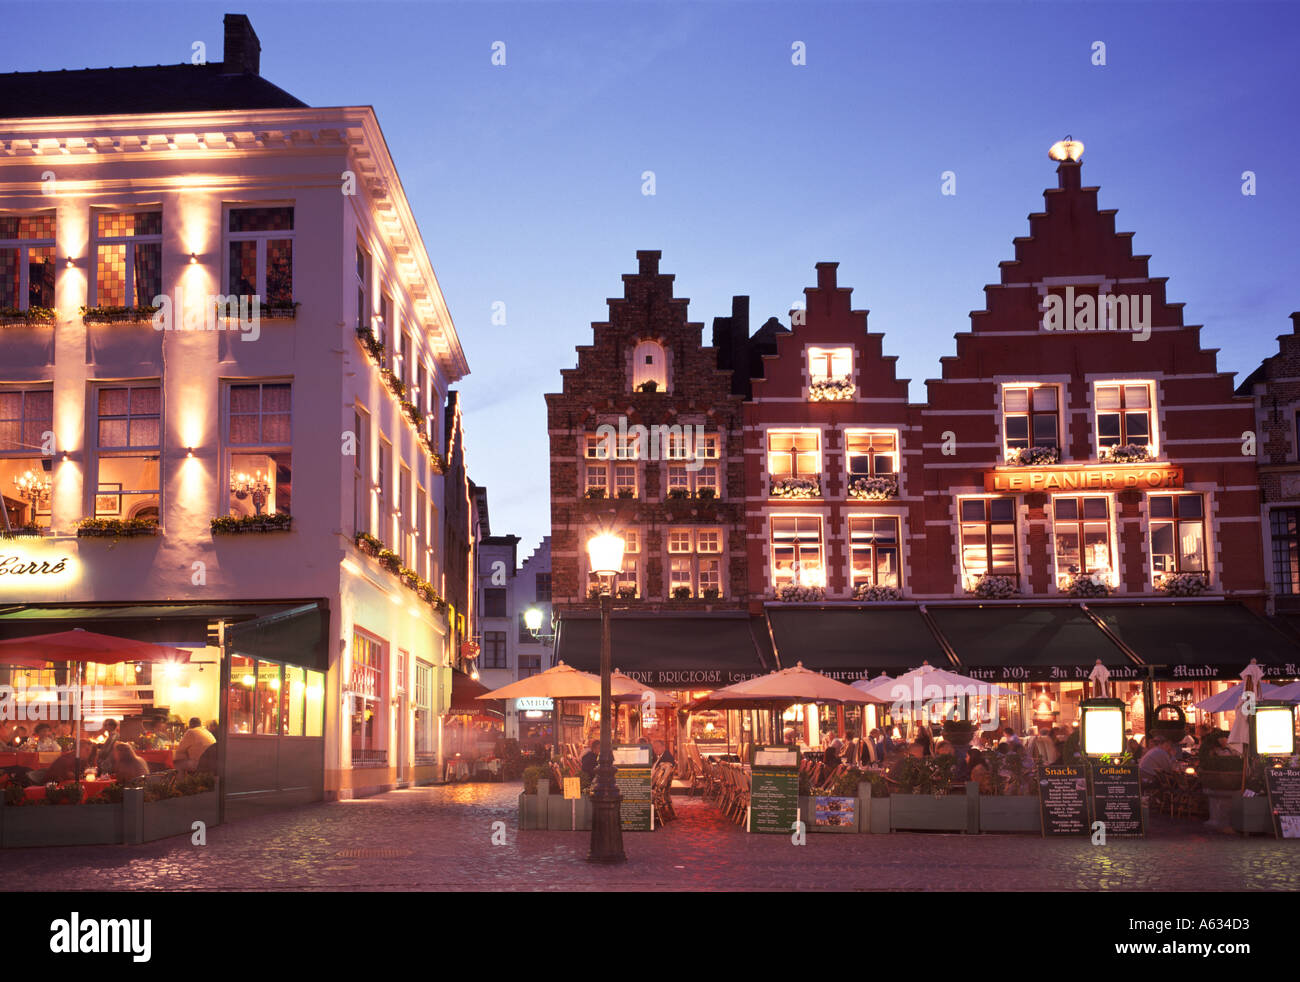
{"x":776,"y":757}
{"x":631,"y":756}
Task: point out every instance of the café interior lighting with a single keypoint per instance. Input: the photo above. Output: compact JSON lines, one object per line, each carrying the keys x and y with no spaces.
{"x":1067,"y":149}
{"x":1274,"y":729}
{"x":1102,"y":727}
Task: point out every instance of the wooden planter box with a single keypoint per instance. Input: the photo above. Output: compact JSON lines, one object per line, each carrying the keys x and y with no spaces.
{"x":560,"y":814}
{"x":926,"y":813}
{"x":176,"y":816}
{"x":60,"y":825}
{"x":1010,"y":813}
{"x":534,"y":809}
{"x":874,"y":813}
{"x":1251,"y":815}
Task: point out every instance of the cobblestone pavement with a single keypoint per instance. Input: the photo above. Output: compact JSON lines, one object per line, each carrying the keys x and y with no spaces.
{"x":440,"y":838}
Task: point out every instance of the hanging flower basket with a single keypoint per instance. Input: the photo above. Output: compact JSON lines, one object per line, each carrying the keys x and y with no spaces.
{"x":796,"y":487}
{"x":1033,"y":456}
{"x":992,"y":587}
{"x":1183,"y":584}
{"x":240,"y":524}
{"x":800,"y":594}
{"x":876,"y":594}
{"x":1129,"y":453}
{"x":831,"y":390}
{"x":874,"y":488}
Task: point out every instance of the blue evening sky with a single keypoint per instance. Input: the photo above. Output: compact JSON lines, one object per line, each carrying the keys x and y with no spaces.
{"x":526,"y":179}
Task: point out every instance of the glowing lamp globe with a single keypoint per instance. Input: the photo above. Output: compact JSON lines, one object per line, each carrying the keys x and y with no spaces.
{"x":1102,"y":729}
{"x":1274,"y":724}
{"x":606,"y":554}
{"x":1067,"y":149}
{"x":533,"y":619}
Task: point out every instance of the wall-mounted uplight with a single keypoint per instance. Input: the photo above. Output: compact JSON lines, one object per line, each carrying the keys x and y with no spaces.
{"x":189,"y":451}
{"x":194,"y":259}
{"x":69,"y":262}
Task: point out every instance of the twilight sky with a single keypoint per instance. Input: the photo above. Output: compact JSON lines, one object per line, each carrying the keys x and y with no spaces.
{"x":526,"y":179}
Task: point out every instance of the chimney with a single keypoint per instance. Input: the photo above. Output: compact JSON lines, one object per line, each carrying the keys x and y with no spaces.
{"x":243,"y":52}
{"x":1295,"y":322}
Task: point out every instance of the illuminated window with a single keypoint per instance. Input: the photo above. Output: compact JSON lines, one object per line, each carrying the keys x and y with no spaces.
{"x":26,"y":471}
{"x":794,"y":454}
{"x":1177,"y":534}
{"x":405,"y":517}
{"x":874,"y":554}
{"x":128,"y":446}
{"x":259,"y":437}
{"x":625,"y":480}
{"x":367,"y":692}
{"x":1082,"y":530}
{"x":128,"y":258}
{"x":1123,"y":416}
{"x":796,"y":549}
{"x":361,"y":471}
{"x":871,"y":453}
{"x":425,"y":745}
{"x":260,"y":254}
{"x":649,"y":367}
{"x":830,"y":364}
{"x":382,"y":494}
{"x":694,"y":562}
{"x":629,"y":583}
{"x":26,"y":261}
{"x":1031,"y":416}
{"x":988,"y":537}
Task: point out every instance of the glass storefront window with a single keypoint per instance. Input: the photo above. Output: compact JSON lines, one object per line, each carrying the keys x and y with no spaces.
{"x":242,"y":684}
{"x":267,"y":700}
{"x":291,"y":706}
{"x":315,"y":711}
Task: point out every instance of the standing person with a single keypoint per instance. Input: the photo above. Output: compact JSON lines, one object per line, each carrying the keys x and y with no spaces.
{"x":196,"y":740}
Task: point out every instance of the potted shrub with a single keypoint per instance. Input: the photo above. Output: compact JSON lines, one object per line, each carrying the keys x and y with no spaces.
{"x":706,"y":494}
{"x":594,"y":494}
{"x":1013,"y":806}
{"x":193,"y":798}
{"x":681,"y":593}
{"x":532,"y":800}
{"x":959,"y":732}
{"x":649,"y":385}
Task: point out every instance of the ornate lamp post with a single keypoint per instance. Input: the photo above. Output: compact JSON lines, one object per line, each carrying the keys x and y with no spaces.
{"x":606,"y":554}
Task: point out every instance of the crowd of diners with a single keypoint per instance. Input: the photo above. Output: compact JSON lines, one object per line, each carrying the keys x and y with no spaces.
{"x":107,"y":756}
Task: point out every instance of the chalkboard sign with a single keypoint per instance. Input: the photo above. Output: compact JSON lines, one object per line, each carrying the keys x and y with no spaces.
{"x":634,"y":785}
{"x":1283,"y":785}
{"x":1063,"y":799}
{"x":1117,"y":798}
{"x":774,"y":792}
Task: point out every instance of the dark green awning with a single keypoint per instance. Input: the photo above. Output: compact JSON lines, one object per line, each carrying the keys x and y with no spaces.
{"x":850,"y":643}
{"x":997,"y":643}
{"x":1201,"y":640}
{"x":296,"y":636}
{"x":705,"y":651}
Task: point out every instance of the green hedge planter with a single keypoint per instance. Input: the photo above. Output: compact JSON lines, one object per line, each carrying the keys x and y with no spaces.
{"x":1010,"y":813}
{"x":132,"y":821}
{"x":926,"y":813}
{"x":176,"y":816}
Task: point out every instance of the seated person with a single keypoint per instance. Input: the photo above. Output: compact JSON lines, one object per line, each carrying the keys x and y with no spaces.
{"x":65,"y":768}
{"x":6,"y":734}
{"x":978,"y":771}
{"x":196,"y":740}
{"x":105,"y":759}
{"x":1156,"y":761}
{"x":831,"y":758}
{"x":590,"y":759}
{"x":45,"y":739}
{"x":127,"y":764}
{"x":662,"y":755}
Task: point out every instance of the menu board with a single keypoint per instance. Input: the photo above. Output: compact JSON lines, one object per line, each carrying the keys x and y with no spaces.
{"x":774,"y":792}
{"x":634,"y":785}
{"x":1063,"y":799}
{"x":1117,"y":798}
{"x":1283,"y":785}
{"x":632,"y":755}
{"x":835,"y":813}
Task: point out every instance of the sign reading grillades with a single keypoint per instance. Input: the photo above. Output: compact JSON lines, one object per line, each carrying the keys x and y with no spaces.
{"x":1088,"y":477}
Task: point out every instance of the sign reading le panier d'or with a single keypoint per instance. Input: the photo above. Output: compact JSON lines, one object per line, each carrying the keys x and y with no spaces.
{"x":1151,"y":476}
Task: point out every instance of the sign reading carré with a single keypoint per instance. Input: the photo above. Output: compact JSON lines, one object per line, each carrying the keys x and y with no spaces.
{"x":1086,"y":477}
{"x":22,"y":569}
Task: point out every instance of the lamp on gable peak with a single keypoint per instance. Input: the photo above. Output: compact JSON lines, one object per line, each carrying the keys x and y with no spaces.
{"x":1068,"y":149}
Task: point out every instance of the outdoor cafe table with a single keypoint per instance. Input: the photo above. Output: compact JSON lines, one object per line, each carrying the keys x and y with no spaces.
{"x":163,"y":757}
{"x":92,"y":789}
{"x":19,"y":758}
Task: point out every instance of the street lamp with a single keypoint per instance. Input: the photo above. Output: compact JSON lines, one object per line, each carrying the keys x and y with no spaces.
{"x":1102,"y":728}
{"x":533,"y":619}
{"x":1273,"y":727}
{"x":605,"y":552}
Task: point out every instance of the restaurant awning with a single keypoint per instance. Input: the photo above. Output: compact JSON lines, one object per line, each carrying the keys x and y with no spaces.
{"x":296,"y":636}
{"x":851,"y":643}
{"x":704,"y":651}
{"x":464,"y":695}
{"x":1031,"y":643}
{"x":1199,"y":641}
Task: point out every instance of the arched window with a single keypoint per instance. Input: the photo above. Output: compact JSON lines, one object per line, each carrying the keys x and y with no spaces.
{"x":649,"y":364}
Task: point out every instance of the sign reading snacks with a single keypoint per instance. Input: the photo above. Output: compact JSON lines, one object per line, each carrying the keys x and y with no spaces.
{"x":1063,"y":798}
{"x":774,"y":790}
{"x":1088,"y":477}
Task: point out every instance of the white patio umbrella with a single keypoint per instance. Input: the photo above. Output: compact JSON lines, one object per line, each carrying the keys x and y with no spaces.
{"x":1252,"y":679}
{"x":927,"y":682}
{"x":1228,"y":700}
{"x":1283,"y":693}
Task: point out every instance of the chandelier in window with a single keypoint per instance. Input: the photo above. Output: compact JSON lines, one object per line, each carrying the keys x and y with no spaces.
{"x":33,"y":486}
{"x":244,"y":486}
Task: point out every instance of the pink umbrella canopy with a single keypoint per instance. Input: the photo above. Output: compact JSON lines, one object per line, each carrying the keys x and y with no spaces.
{"x":79,"y":645}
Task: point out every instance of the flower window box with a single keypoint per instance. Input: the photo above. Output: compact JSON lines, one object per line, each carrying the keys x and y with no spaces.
{"x":23,"y":531}
{"x":1129,"y":453}
{"x":796,"y":487}
{"x":870,"y":593}
{"x":1085,"y":585}
{"x":989,"y":586}
{"x":368,"y":544}
{"x":874,"y":488}
{"x":1183,"y":584}
{"x":831,"y":390}
{"x":1032,"y":456}
{"x":116,"y":528}
{"x":118,"y":315}
{"x":800,"y":594}
{"x":241,"y":524}
{"x":31,"y":317}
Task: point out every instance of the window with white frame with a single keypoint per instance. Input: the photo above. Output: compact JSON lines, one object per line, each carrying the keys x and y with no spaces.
{"x":259,"y":442}
{"x":383,"y":475}
{"x":874,"y":551}
{"x":649,"y":367}
{"x":1177,"y":535}
{"x":128,"y":447}
{"x":988,"y":538}
{"x":694,"y":563}
{"x":871,"y":453}
{"x":27,"y":261}
{"x":386,"y":324}
{"x":605,"y":476}
{"x":625,"y":485}
{"x":367,"y":691}
{"x":830,"y":364}
{"x":259,"y":245}
{"x":425,"y":732}
{"x":1031,"y":417}
{"x":405,"y":517}
{"x":361,"y":291}
{"x":26,"y":470}
{"x":128,"y":258}
{"x":404,"y":354}
{"x":794,"y":453}
{"x":796,"y":549}
{"x":1082,"y":537}
{"x":361,"y":471}
{"x":629,"y":579}
{"x":1124,"y":419}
